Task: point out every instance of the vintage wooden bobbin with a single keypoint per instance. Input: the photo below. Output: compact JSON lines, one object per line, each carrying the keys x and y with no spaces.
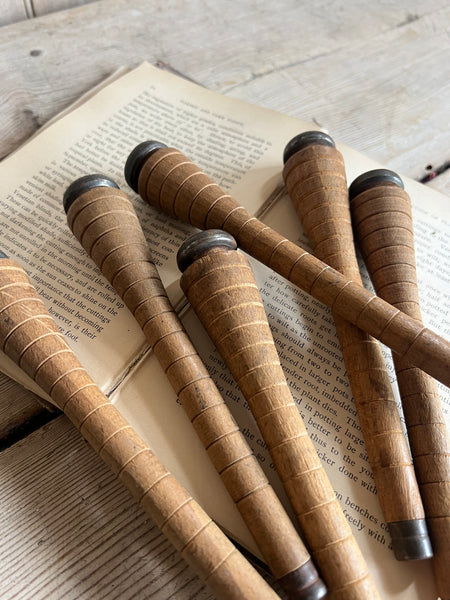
{"x":315,"y":178}
{"x":166,"y":179}
{"x":382,"y":220}
{"x":103,"y":220}
{"x":219,"y":283}
{"x":30,"y":337}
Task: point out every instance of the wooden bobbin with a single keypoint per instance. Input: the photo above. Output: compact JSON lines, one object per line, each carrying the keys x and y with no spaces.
{"x":314,"y":173}
{"x":381,"y":211}
{"x":221,"y":288}
{"x":30,"y":337}
{"x":103,"y":220}
{"x":165,"y":178}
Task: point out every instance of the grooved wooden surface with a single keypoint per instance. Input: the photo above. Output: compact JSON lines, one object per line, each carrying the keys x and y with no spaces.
{"x":30,"y":337}
{"x":223,"y":292}
{"x":58,"y":502}
{"x":315,"y":178}
{"x":104,"y":221}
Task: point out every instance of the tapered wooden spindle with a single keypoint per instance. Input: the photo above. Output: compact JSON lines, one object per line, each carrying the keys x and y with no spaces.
{"x":221,"y":288}
{"x":31,"y":338}
{"x":103,"y":220}
{"x":383,"y":224}
{"x":168,"y":180}
{"x":314,"y":173}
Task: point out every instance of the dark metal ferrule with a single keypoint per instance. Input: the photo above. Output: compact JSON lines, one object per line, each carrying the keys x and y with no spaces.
{"x":307,"y":138}
{"x":201,"y":242}
{"x":84,"y":184}
{"x":304,"y":583}
{"x":3,"y":255}
{"x":136,"y":160}
{"x":372,"y":179}
{"x":410,"y":540}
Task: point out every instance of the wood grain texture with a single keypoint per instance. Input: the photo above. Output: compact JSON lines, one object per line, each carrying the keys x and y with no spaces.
{"x":45,"y":64}
{"x":21,"y":412}
{"x":44,"y":7}
{"x":170,"y":182}
{"x":13,"y":11}
{"x":222,"y":290}
{"x":58,"y":500}
{"x":383,"y":224}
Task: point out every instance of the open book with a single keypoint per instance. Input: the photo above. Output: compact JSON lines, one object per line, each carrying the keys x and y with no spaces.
{"x":240,"y":146}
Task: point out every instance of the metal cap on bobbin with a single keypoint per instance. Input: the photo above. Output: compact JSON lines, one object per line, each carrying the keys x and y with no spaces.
{"x":202,"y":242}
{"x":372,"y":179}
{"x":307,"y":138}
{"x":304,"y":583}
{"x":410,"y":540}
{"x":136,"y":160}
{"x":84,"y":184}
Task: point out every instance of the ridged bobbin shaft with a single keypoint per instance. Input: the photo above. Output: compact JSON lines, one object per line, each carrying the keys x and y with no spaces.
{"x":104,"y":221}
{"x":221,"y":288}
{"x":383,"y":224}
{"x":315,"y":178}
{"x":171,"y":182}
{"x":29,"y":336}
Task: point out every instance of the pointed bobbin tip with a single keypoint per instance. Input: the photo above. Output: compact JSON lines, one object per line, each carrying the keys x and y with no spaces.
{"x":84,"y":184}
{"x":372,"y":179}
{"x":307,"y":138}
{"x":136,"y":160}
{"x":202,"y":242}
{"x":3,"y":255}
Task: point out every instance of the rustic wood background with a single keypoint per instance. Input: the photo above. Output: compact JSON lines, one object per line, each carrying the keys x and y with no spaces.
{"x":13,"y":11}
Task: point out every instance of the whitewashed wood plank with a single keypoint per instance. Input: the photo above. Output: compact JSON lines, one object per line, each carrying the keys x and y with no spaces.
{"x":296,"y":59}
{"x":12,"y":11}
{"x":44,"y":7}
{"x":388,"y":96}
{"x":70,"y":530}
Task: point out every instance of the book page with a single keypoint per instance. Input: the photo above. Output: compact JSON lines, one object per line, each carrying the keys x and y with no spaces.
{"x":97,"y":137}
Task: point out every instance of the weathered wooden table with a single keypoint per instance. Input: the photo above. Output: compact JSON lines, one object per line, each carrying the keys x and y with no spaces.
{"x":376,"y":75}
